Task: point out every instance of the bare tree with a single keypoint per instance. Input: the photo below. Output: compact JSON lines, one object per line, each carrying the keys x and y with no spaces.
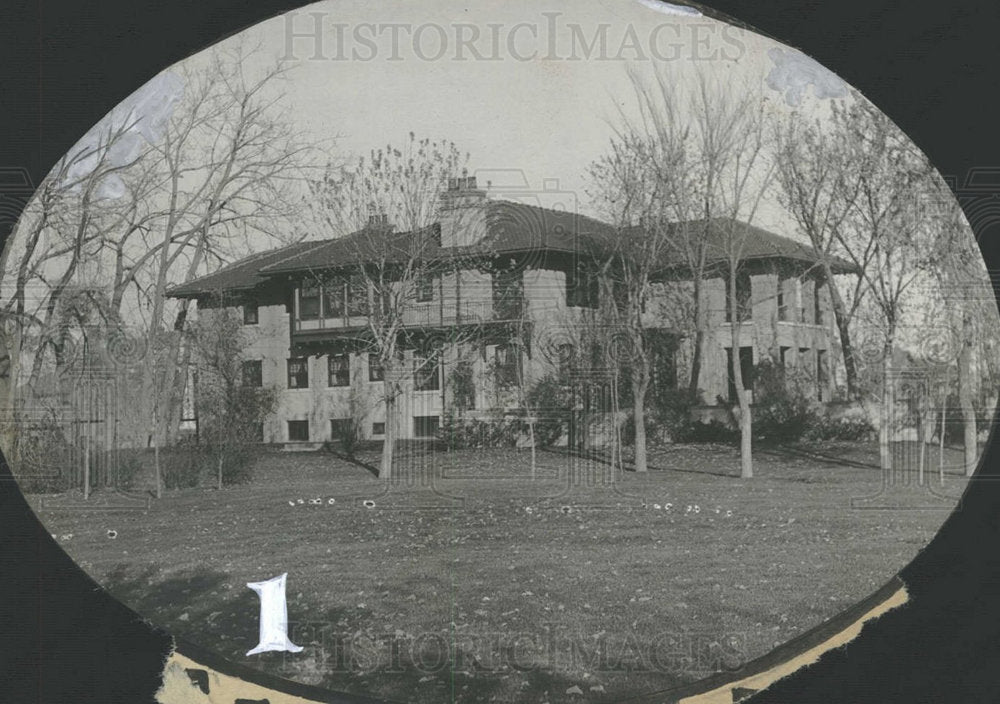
{"x":961,"y":304}
{"x":819,"y":187}
{"x":230,"y":408}
{"x":42,"y":267}
{"x":885,"y":233}
{"x":226,"y":167}
{"x":385,"y":205}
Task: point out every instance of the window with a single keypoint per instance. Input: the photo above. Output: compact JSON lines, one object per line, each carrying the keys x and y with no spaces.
{"x":818,"y":304}
{"x":744,"y":308}
{"x":333,"y":298}
{"x":783,"y":351}
{"x":507,"y":295}
{"x":378,"y":428}
{"x":339,"y":370}
{"x":253,"y":374}
{"x":250,"y":314}
{"x":257,"y":432}
{"x":357,"y":295}
{"x":782,"y":299}
{"x":425,"y":288}
{"x":581,"y":288}
{"x":298,"y":373}
{"x":426,"y":372}
{"x":425,"y":426}
{"x":298,"y":431}
{"x":309,"y":302}
{"x":746,"y":370}
{"x":375,"y":370}
{"x":506,"y":365}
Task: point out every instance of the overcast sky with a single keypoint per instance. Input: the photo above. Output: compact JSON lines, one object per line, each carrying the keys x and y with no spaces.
{"x":530,"y":89}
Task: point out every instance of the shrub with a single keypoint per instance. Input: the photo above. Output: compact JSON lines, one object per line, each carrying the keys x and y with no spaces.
{"x":844,"y":428}
{"x":713,"y":431}
{"x":180,"y":466}
{"x":476,"y":433}
{"x":550,"y":402}
{"x":129,"y":467}
{"x":42,"y":459}
{"x":671,"y":411}
{"x":781,"y":411}
{"x":349,"y":437}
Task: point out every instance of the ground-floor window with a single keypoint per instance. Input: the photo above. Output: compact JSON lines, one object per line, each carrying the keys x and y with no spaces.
{"x":427,"y":372}
{"x":298,"y":430}
{"x":378,"y":428}
{"x":425,"y":426}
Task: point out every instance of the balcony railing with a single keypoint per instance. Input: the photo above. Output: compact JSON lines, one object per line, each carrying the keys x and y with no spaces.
{"x":429,"y":315}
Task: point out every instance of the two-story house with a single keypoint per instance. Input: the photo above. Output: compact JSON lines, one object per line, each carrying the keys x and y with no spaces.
{"x":496,"y":278}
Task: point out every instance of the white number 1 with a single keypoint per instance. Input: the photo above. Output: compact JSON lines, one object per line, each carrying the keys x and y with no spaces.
{"x":273,"y":616}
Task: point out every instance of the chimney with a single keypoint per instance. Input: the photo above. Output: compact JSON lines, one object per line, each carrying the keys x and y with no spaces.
{"x":462,"y":212}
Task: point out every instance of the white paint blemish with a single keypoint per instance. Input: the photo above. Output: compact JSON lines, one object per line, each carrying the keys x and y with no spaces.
{"x":670,"y":8}
{"x":143,"y":115}
{"x":794,"y":72}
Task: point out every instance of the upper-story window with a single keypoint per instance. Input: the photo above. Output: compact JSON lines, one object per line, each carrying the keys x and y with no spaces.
{"x":427,"y":371}
{"x":508,"y":294}
{"x":334,"y":298}
{"x":376,"y":372}
{"x":581,"y":288}
{"x":506,"y":365}
{"x":253,"y":373}
{"x":339,"y":370}
{"x":298,"y":373}
{"x":309,"y":302}
{"x":744,"y":308}
{"x":818,"y":304}
{"x":357,"y":295}
{"x":250,"y":314}
{"x":425,"y":288}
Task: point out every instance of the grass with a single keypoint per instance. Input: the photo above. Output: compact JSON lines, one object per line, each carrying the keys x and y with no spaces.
{"x":483,"y":585}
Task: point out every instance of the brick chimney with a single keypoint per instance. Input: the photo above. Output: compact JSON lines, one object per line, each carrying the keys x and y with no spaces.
{"x":462,"y":212}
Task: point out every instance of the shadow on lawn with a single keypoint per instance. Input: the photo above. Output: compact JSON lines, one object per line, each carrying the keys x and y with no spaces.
{"x":205,"y":606}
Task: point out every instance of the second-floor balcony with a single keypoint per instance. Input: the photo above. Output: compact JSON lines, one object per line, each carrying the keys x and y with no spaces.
{"x":432,"y":314}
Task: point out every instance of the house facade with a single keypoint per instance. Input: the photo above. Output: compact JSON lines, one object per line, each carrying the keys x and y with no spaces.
{"x":505,"y":290}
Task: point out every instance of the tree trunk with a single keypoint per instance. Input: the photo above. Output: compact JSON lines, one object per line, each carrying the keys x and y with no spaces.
{"x":971,"y":450}
{"x":888,"y":407}
{"x":391,"y":403}
{"x":640,"y":386}
{"x":699,"y":338}
{"x":745,"y":420}
{"x":221,"y":459}
{"x":842,"y":320}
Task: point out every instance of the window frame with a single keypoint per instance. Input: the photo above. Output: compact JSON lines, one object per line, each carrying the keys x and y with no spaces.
{"x":288,"y":368}
{"x":376,"y":371}
{"x":247,"y":307}
{"x":345,"y":371}
{"x":298,"y":424}
{"x":421,"y":375}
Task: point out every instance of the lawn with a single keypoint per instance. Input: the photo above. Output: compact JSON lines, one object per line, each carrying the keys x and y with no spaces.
{"x":466,"y":580}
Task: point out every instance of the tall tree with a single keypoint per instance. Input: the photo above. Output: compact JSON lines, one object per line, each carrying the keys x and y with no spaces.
{"x":386,"y":204}
{"x":818,"y":187}
{"x":886,"y":233}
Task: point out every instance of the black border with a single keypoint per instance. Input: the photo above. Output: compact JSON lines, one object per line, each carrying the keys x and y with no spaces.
{"x":931,"y":66}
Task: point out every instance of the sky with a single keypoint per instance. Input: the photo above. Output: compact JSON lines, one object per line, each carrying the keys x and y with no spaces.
{"x":531,"y":90}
